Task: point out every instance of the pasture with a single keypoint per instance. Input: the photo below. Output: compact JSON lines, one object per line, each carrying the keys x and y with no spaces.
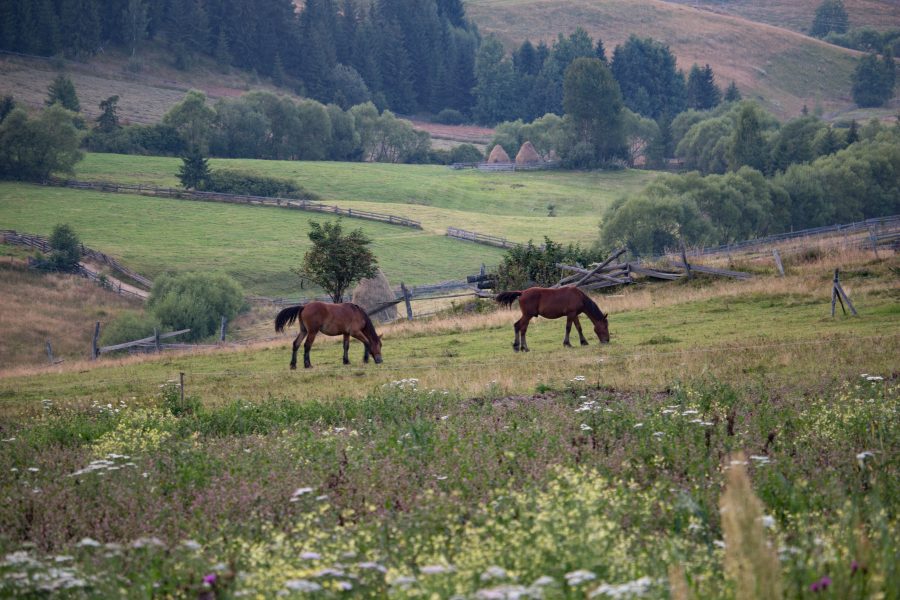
{"x":460,"y":468}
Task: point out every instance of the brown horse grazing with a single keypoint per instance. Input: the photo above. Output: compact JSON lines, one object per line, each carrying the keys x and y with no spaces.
{"x":331,"y":319}
{"x":553,"y":303}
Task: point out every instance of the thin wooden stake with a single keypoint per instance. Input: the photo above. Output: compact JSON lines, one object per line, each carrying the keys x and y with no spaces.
{"x":222,"y":329}
{"x":49,"y":352}
{"x":406,"y":298}
{"x":874,"y":241}
{"x":687,"y":265}
{"x":846,"y":298}
{"x":778,"y":262}
{"x":94,"y":349}
{"x":156,"y":339}
{"x":181,"y":386}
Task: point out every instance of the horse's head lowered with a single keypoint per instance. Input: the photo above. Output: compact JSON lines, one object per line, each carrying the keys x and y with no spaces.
{"x":375,"y":348}
{"x":601,"y":328}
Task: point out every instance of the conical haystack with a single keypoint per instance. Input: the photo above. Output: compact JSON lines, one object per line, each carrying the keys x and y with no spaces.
{"x":498,"y":155}
{"x":374,"y":292}
{"x":527,"y":155}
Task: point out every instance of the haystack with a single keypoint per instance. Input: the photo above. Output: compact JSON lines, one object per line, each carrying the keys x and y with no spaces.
{"x":374,"y":292}
{"x":498,"y":155}
{"x":527,"y":155}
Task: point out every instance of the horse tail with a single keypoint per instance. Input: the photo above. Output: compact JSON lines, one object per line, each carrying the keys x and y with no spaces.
{"x":287,"y":317}
{"x":507,"y":298}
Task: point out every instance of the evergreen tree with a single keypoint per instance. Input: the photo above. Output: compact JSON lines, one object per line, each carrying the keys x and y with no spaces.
{"x":732,"y":94}
{"x":65,"y":248}
{"x":495,"y":92}
{"x":651,"y":85}
{"x":853,"y":132}
{"x":62,"y":91}
{"x":194,"y":170}
{"x":702,"y":91}
{"x":453,"y":11}
{"x":135,"y":20}
{"x":79,"y":26}
{"x":7,"y":104}
{"x":600,"y":51}
{"x":831,"y":16}
{"x":108,"y":120}
{"x":525,"y":59}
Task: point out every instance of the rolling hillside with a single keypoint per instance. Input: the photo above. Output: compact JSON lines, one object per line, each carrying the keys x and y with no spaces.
{"x":781,"y":68}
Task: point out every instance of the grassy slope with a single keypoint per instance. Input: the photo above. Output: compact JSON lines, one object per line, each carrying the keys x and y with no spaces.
{"x":256,"y":245}
{"x":506,"y":204}
{"x":781,"y":68}
{"x":798,"y":14}
{"x":768,"y":330}
{"x":35,"y":308}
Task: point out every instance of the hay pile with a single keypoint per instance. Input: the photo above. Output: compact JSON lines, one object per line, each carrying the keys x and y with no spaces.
{"x":373,"y":292}
{"x":498,"y":155}
{"x":527,"y":155}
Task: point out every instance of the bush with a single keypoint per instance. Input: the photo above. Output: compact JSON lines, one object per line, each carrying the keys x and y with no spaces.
{"x":227,"y":181}
{"x":128,"y":326}
{"x":196,"y":301}
{"x":65,"y":249}
{"x":450,"y":116}
{"x":466,"y":153}
{"x":529,"y":265}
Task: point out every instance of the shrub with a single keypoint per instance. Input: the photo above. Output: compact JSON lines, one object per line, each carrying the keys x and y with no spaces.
{"x":450,"y":116}
{"x":196,"y":301}
{"x":128,"y":326}
{"x":227,"y":181}
{"x":530,"y":265}
{"x":466,"y":153}
{"x":65,"y":248}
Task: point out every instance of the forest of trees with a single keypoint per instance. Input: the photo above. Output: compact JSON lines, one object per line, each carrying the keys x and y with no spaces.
{"x":406,"y":55}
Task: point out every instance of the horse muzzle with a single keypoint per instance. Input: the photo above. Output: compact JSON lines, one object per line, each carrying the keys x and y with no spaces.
{"x":377,"y":360}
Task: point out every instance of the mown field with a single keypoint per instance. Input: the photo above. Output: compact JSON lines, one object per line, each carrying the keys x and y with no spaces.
{"x":460,"y":468}
{"x":782,"y":69}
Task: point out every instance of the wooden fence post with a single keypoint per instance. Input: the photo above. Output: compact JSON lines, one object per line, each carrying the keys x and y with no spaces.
{"x":94,"y":348}
{"x":406,"y":298}
{"x":49,"y":352}
{"x":222,"y":329}
{"x":778,"y":262}
{"x":874,"y":241}
{"x":181,"y":386}
{"x":838,"y":294}
{"x":156,"y":339}
{"x":687,"y":265}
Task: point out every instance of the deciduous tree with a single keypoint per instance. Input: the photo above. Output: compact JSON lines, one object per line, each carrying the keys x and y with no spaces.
{"x":336,"y":260}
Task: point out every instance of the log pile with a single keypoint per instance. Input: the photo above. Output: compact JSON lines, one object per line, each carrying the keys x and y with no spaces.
{"x":612,"y":273}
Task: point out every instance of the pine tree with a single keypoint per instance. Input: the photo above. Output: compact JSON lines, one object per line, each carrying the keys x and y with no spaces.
{"x":600,"y":51}
{"x":194,"y":170}
{"x":853,"y":132}
{"x":651,"y":85}
{"x":732,"y":94}
{"x":593,"y":105}
{"x":702,"y":91}
{"x":747,"y":145}
{"x":62,"y":91}
{"x":108,"y":119}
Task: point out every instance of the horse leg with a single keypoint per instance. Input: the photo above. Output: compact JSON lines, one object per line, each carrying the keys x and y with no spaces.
{"x":296,"y":347}
{"x":516,"y":328}
{"x":346,"y":348}
{"x":310,"y":338}
{"x":523,"y":329}
{"x":365,"y":343}
{"x":584,"y":342}
{"x":568,"y":329}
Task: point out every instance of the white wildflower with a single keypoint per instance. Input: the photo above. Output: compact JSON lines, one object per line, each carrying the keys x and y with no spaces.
{"x":88,"y":543}
{"x":576,"y":578}
{"x":586,"y":427}
{"x":310,"y":556}
{"x":302,"y":585}
{"x":436,"y":569}
{"x":629,"y":589}
{"x":494,"y":572}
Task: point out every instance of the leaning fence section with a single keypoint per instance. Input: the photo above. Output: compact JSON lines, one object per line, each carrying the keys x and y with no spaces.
{"x":181,"y":194}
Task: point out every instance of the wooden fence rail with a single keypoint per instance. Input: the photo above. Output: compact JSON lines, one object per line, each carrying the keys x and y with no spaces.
{"x":147,"y":342}
{"x":181,"y":194}
{"x":481,"y":238}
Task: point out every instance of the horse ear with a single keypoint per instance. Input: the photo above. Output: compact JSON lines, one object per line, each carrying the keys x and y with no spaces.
{"x":380,"y":336}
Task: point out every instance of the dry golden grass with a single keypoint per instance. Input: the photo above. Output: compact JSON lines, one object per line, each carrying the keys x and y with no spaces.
{"x":35,"y":308}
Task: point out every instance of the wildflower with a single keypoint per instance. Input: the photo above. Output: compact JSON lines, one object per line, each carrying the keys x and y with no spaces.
{"x":576,"y":578}
{"x":874,"y":378}
{"x":578,"y":378}
{"x":494,"y":572}
{"x":302,"y":585}
{"x":629,"y":589}
{"x":404,"y":580}
{"x":542,"y":581}
{"x":344,"y":586}
{"x":374,"y":566}
{"x":146,"y":542}
{"x":690,"y":412}
{"x":658,"y":434}
{"x":310,"y":556}
{"x":210,"y":579}
{"x":586,"y":427}
{"x":436,"y":569}
{"x":638,"y":425}
{"x":821,"y":585}
{"x":33,"y":469}
{"x":329,"y":572}
{"x":300,"y":492}
{"x":862,"y":457}
{"x":503,"y":592}
{"x":855,"y":566}
{"x":12,"y":439}
{"x":88,"y":543}
{"x":768,"y":521}
{"x":445,"y":417}
{"x":440,"y":477}
{"x":191,"y":545}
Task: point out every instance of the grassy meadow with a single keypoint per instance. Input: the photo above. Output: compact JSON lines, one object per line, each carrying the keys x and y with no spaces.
{"x":458,"y":468}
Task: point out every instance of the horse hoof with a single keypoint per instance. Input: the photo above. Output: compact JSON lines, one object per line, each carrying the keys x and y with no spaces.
{"x":525,"y":350}
{"x":293,"y":367}
{"x":567,"y":344}
{"x":307,"y":366}
{"x":584,"y":344}
{"x":515,"y":348}
{"x":346,"y":362}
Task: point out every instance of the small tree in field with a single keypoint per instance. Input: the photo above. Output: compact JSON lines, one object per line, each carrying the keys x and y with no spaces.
{"x":65,"y":248}
{"x":336,"y":261}
{"x":194,"y":170}
{"x":62,"y":91}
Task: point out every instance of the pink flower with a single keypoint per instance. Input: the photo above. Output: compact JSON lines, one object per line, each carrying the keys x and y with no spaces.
{"x":821,"y":585}
{"x":210,"y":579}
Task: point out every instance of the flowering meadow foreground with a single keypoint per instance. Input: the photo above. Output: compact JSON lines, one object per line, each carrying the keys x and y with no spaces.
{"x":413,"y":492}
{"x":775,"y":476}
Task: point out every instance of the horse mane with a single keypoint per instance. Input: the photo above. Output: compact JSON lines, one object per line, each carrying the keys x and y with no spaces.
{"x":591,"y":308}
{"x":368,"y":326}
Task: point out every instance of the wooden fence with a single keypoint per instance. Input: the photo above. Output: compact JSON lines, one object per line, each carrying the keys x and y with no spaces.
{"x":481,"y":238}
{"x":506,"y":167}
{"x":307,"y":205}
{"x":9,"y":236}
{"x":152,"y":342}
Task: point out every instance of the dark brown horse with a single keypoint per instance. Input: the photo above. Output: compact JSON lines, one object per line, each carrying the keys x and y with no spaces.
{"x":331,"y":319}
{"x":553,"y":303}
